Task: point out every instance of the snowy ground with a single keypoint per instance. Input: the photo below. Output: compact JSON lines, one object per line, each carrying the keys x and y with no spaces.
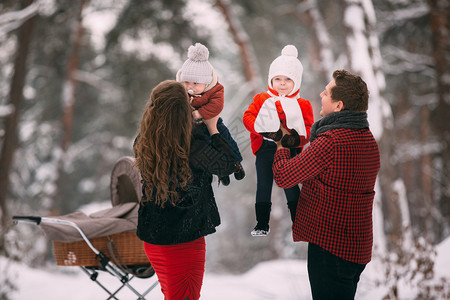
{"x":276,"y":280}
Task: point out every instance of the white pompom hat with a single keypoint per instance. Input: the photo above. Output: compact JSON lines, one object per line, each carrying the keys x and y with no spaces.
{"x":287,"y":65}
{"x":197,"y":67}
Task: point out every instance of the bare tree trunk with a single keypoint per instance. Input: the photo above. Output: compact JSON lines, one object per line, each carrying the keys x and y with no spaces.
{"x":322,"y":53}
{"x":362,"y":45}
{"x":241,"y":39}
{"x":68,"y":104}
{"x":426,"y":179}
{"x":440,"y":27}
{"x":12,"y":120}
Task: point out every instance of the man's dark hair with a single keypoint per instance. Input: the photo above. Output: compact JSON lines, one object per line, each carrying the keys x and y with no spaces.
{"x":351,"y":90}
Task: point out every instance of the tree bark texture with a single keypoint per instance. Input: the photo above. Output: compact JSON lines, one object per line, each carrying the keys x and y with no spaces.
{"x":440,"y":27}
{"x":11,"y":123}
{"x":68,"y":106}
{"x":242,"y":41}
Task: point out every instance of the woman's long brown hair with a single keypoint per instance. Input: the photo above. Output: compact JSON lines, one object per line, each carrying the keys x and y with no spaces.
{"x":163,"y":143}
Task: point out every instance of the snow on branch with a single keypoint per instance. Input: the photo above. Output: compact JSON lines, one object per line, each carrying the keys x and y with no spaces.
{"x":400,"y":17}
{"x":398,"y":61}
{"x":12,"y":20}
{"x":415,"y":150}
{"x":405,"y":14}
{"x":96,"y":82}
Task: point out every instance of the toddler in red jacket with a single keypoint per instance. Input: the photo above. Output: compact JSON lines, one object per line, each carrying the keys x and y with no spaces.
{"x":280,"y":105}
{"x":206,"y":96}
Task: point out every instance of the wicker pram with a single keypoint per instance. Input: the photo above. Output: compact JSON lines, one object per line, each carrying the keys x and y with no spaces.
{"x":105,"y":240}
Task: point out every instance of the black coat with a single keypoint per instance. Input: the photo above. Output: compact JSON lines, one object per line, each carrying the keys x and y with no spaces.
{"x":195,"y":214}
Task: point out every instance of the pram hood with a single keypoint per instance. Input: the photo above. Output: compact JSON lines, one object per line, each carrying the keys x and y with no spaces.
{"x":120,"y":218}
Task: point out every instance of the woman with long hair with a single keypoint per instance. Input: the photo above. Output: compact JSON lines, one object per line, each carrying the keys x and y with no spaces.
{"x":177,"y":160}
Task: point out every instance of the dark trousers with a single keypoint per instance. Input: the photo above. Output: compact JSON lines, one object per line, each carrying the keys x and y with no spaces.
{"x":331,"y":277}
{"x":225,"y":133}
{"x":264,"y":174}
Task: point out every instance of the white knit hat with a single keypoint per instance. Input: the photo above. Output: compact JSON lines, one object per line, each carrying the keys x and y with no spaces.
{"x":287,"y":65}
{"x":197,"y":67}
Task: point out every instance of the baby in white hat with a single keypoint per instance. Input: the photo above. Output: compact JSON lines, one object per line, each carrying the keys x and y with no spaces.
{"x":207,"y":98}
{"x":280,"y":105}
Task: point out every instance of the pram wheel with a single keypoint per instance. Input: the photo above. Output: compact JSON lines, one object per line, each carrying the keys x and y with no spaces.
{"x":142,"y":271}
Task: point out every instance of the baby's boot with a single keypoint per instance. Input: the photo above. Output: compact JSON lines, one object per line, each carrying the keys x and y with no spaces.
{"x":239,"y":172}
{"x":225,"y":180}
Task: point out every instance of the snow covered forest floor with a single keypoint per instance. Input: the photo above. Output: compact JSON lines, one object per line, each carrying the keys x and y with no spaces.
{"x":277,"y":280}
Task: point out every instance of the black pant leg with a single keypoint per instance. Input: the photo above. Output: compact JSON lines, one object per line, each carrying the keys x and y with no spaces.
{"x":331,"y":277}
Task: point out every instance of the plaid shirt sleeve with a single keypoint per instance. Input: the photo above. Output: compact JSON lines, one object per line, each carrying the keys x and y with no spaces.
{"x":311,"y":162}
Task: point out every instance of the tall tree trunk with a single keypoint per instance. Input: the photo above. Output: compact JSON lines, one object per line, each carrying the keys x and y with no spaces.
{"x":322,"y":54}
{"x":426,"y":176}
{"x":12,"y":120}
{"x":242,"y":40}
{"x":68,"y":105}
{"x":440,"y":27}
{"x":362,"y":48}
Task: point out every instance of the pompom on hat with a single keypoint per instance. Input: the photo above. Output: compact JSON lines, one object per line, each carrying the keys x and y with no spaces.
{"x":197,"y":67}
{"x":287,"y":65}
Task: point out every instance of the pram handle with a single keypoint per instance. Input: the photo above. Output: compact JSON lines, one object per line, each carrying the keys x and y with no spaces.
{"x":38,"y":220}
{"x":27,"y":219}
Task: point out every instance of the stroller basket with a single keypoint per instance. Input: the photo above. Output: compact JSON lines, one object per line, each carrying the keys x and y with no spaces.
{"x":121,"y":254}
{"x":79,"y":253}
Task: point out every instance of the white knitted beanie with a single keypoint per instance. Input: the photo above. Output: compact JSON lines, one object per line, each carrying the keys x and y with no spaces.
{"x":197,"y":67}
{"x":287,"y":65}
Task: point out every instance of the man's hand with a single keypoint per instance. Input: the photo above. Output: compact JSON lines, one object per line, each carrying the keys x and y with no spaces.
{"x":284,"y":132}
{"x":291,"y":140}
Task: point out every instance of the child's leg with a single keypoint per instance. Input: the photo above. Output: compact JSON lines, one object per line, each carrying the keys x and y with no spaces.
{"x":264,"y":173}
{"x":292,"y":195}
{"x":264,"y":183}
{"x":225,"y":133}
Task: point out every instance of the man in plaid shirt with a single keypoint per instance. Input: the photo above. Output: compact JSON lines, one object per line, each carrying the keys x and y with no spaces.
{"x":338,"y":172}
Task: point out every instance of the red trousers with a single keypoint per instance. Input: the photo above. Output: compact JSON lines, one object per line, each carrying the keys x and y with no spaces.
{"x":179,"y":268}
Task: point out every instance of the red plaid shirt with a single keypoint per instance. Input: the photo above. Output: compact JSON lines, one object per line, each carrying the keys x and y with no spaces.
{"x":338,"y":171}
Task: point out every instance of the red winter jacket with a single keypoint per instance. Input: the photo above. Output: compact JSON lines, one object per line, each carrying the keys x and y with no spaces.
{"x":338,"y":171}
{"x":252,"y":112}
{"x":210,"y":103}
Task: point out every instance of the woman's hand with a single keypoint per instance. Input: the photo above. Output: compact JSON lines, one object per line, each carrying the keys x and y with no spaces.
{"x":211,"y":124}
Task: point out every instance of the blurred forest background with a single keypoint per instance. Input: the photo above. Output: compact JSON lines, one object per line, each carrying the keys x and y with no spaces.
{"x":75,"y":76}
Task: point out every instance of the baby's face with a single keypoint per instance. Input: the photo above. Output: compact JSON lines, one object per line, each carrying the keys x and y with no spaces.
{"x":282,"y":84}
{"x":194,"y":88}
